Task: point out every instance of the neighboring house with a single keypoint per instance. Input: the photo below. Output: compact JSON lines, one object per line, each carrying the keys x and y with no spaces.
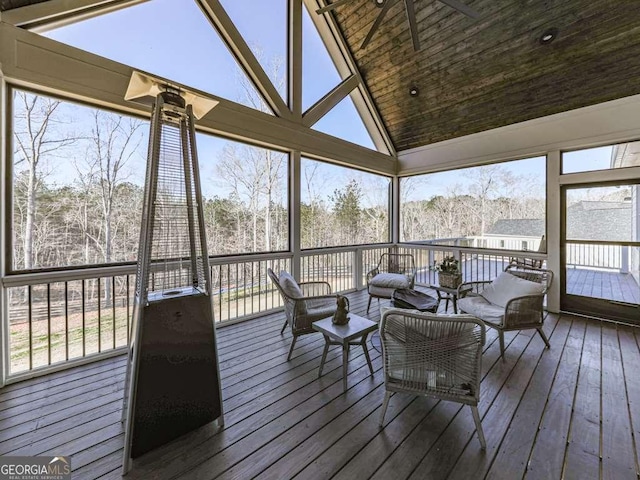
{"x":515,"y":234}
{"x":628,"y":155}
{"x":586,"y":220}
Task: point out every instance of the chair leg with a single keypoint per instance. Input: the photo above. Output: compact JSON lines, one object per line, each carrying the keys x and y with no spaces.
{"x":286,"y":322}
{"x":293,"y":343}
{"x":385,"y":404}
{"x":501,"y":338}
{"x":544,"y":337}
{"x":369,"y":304}
{"x":476,"y":419}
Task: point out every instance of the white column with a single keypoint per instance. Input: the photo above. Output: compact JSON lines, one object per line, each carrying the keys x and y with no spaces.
{"x":554,"y":218}
{"x":294,"y":212}
{"x":6,"y":254}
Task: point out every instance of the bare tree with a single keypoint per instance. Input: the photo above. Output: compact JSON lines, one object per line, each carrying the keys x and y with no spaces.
{"x":114,"y":140}
{"x":37,"y":139}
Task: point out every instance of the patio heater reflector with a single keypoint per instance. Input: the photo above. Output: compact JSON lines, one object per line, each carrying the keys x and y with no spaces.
{"x":173,"y":377}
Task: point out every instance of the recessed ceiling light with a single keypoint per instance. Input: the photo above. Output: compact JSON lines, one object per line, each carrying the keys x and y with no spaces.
{"x":413,"y":91}
{"x":379,"y":3}
{"x":548,"y":36}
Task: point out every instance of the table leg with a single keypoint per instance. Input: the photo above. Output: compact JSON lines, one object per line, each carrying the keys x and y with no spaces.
{"x":366,"y":352}
{"x":324,"y":355}
{"x":455,"y":304}
{"x":345,"y":359}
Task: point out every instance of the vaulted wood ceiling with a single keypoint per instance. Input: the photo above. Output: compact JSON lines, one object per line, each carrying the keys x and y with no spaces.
{"x":477,"y":75}
{"x":474,"y":75}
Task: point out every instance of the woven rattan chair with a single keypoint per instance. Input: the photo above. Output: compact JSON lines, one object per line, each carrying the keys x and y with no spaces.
{"x":518,"y":313}
{"x":433,"y":355}
{"x":531,"y":262}
{"x":304,"y":303}
{"x":394,"y":271}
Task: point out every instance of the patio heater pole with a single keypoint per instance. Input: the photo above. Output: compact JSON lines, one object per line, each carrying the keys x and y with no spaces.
{"x":173,"y":376}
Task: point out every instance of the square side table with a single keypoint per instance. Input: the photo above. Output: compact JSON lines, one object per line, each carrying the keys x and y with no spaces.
{"x":353,"y":333}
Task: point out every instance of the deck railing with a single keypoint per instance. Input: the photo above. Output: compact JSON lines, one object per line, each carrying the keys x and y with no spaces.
{"x":70,"y":315}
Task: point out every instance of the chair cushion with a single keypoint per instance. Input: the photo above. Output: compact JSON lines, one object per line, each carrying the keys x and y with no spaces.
{"x":289,"y":285}
{"x":482,"y":309}
{"x":390,"y":280}
{"x":506,"y":287}
{"x":382,"y":292}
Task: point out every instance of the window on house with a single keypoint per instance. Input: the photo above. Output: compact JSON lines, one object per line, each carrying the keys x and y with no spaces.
{"x":493,"y":206}
{"x":342,"y":206}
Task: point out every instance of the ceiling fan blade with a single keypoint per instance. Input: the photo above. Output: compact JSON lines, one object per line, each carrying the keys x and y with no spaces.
{"x":411,"y":16}
{"x":331,"y":6}
{"x":462,"y":8}
{"x":376,"y":24}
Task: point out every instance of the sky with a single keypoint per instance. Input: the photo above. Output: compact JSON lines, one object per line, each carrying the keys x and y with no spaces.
{"x":173,"y":39}
{"x":193,"y":54}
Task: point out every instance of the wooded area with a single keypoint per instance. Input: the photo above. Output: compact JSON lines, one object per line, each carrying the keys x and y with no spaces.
{"x":92,"y":215}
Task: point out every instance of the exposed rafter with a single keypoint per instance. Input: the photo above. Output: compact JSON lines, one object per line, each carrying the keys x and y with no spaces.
{"x":330,"y":100}
{"x":218,"y":16}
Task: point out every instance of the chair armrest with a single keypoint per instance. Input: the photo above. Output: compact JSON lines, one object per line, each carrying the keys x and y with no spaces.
{"x":310,"y":289}
{"x":472,"y":288}
{"x":524,"y":311}
{"x":317,"y":301}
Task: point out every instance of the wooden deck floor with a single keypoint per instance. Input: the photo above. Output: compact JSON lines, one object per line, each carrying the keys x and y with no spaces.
{"x":572,"y":411}
{"x":620,"y":287}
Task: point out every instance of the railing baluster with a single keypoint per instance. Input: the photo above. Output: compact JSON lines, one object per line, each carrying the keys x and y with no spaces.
{"x":49,"y":323}
{"x":84,"y":318}
{"x":66,"y":320}
{"x":113,"y":308}
{"x":30,"y":313}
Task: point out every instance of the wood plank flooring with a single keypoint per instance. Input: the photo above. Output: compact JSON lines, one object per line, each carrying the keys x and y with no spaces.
{"x":620,"y":287}
{"x":569,"y":412}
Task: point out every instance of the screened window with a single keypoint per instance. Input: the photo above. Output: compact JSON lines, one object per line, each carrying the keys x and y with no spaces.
{"x":602,"y":158}
{"x":78,"y":175}
{"x":342,"y":206}
{"x":246,"y":192}
{"x":493,"y":206}
{"x":78,"y":183}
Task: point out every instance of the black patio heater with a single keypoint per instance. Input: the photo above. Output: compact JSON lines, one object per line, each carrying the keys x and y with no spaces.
{"x":173,"y":377}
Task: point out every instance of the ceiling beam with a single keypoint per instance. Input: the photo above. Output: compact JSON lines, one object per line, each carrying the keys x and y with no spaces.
{"x":330,"y":100}
{"x":295,"y":57}
{"x":345,"y":64}
{"x":57,"y":13}
{"x":33,"y":61}
{"x":220,"y":20}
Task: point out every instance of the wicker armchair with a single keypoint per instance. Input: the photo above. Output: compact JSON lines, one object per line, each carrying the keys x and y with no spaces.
{"x":394,"y":270}
{"x":519,"y":312}
{"x":531,"y":262}
{"x":433,"y":355}
{"x":304,"y":303}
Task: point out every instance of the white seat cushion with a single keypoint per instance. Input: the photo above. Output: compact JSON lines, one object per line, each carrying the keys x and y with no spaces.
{"x":382,"y":292}
{"x":506,"y":287}
{"x":390,"y":280}
{"x":482,"y":309}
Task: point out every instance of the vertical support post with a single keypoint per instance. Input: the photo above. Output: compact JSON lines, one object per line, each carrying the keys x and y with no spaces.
{"x":294,"y":57}
{"x":5,"y":146}
{"x":624,"y":259}
{"x":294,"y":212}
{"x":394,"y":201}
{"x":554,"y":218}
{"x":357,"y":271}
